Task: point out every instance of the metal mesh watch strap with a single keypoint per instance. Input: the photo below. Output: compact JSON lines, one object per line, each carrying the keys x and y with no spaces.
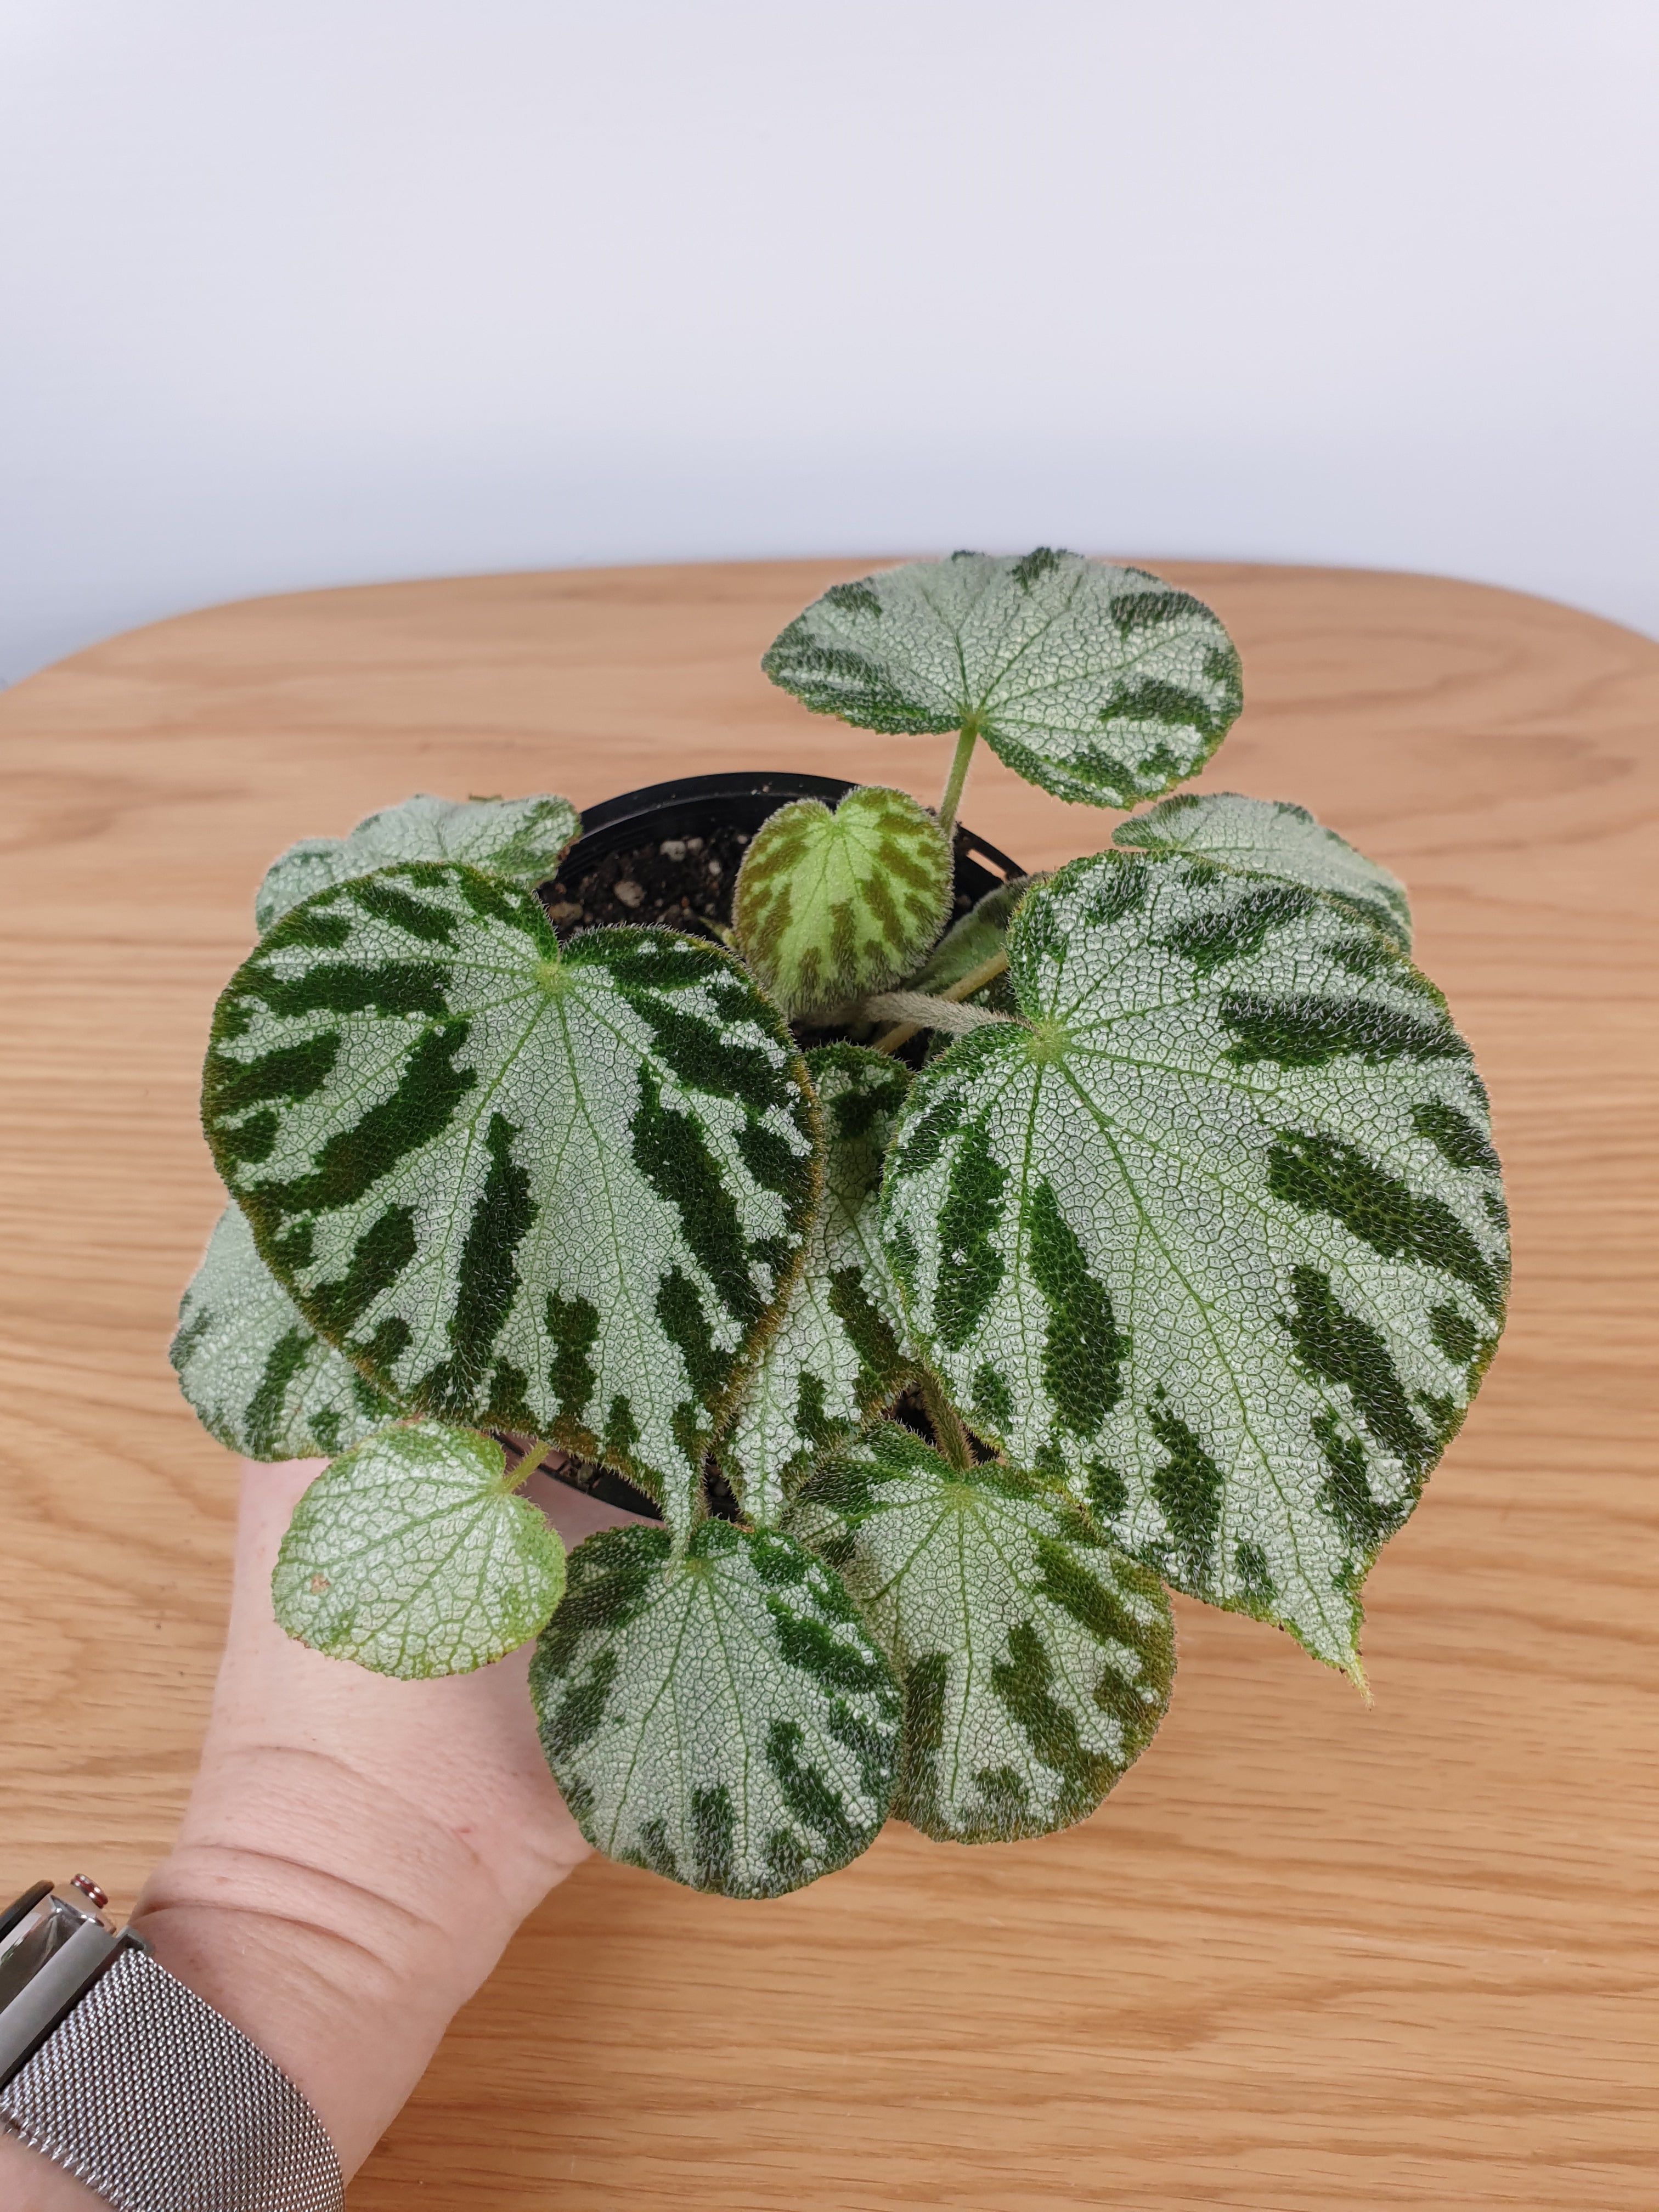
{"x":154,"y":2099}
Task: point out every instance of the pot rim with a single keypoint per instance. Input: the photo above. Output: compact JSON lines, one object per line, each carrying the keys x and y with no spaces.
{"x":609,"y":822}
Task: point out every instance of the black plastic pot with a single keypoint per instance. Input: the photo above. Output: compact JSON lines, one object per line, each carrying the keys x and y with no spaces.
{"x":695,"y":805}
{"x":727,"y":806}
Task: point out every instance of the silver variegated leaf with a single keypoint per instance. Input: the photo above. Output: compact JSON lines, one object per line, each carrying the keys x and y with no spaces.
{"x":979,"y":936}
{"x":258,"y":1376}
{"x":558,"y":1192}
{"x":1218,"y":1235}
{"x":411,"y":1555}
{"x":723,"y":1719}
{"x":836,"y":1357}
{"x":1036,"y":1661}
{"x":1273,"y":837}
{"x":518,"y":841}
{"x":1100,"y":683}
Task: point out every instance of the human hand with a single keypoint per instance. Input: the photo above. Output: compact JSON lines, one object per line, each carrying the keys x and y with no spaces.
{"x":355,"y":1852}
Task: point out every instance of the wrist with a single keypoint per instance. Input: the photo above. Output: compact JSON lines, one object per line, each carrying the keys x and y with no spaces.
{"x":356,"y":1851}
{"x":355,"y":1856}
{"x":335,"y":1925}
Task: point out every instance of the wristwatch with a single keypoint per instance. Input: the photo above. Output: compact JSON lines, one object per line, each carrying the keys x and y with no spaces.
{"x":120,"y":2073}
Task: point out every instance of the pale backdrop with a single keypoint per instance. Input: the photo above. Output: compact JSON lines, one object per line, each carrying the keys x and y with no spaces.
{"x":328,"y":290}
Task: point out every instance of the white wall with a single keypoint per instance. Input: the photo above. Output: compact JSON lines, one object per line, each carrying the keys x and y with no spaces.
{"x":299,"y":292}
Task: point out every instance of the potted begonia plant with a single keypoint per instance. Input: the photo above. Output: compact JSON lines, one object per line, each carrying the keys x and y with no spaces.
{"x":946,"y":1260}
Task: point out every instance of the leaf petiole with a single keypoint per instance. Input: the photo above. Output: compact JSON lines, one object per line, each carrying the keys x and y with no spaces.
{"x":963,"y":988}
{"x":946,"y":1423}
{"x":950,"y":798}
{"x":535,"y":1451}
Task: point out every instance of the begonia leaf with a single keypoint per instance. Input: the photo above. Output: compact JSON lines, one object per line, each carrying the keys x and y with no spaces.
{"x":722,"y":1719}
{"x":829,"y":907}
{"x":1216,"y":1233}
{"x":1036,"y":1661}
{"x":1272,"y":837}
{"x":518,"y":841}
{"x":258,"y":1376}
{"x":557,"y":1191}
{"x":1103,"y":685}
{"x":979,"y":936}
{"x":411,"y":1556}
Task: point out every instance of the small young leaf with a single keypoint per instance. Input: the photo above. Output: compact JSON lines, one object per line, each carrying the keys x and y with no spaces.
{"x":981,"y":933}
{"x":723,"y":1719}
{"x":1102,"y":684}
{"x":836,"y":1356}
{"x":1272,"y":837}
{"x":829,"y":907}
{"x":518,"y":841}
{"x":1036,"y":1662}
{"x":559,"y":1192}
{"x":258,"y":1376}
{"x":410,"y":1555}
{"x":1219,"y":1236}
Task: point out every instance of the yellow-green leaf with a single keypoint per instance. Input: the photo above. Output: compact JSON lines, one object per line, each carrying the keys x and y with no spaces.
{"x":829,"y":907}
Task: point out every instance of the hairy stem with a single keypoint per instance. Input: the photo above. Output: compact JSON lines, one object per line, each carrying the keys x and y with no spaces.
{"x":535,"y":1451}
{"x":974,"y":980}
{"x":946,"y":1424}
{"x":951,"y":799}
{"x":927,"y":1012}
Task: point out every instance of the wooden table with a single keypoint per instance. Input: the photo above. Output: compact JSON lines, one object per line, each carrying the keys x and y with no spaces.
{"x":1308,"y":1955}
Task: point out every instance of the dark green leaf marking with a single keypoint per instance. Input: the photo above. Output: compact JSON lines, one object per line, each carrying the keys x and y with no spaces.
{"x":416,"y":987}
{"x":573,"y":1327}
{"x":971,"y":1211}
{"x":378,"y":1258}
{"x":1237,"y":927}
{"x":283,"y":1363}
{"x":486,"y":1279}
{"x":290,"y":1073}
{"x":1366,"y":1520}
{"x":1456,"y":1335}
{"x":351,"y":1162}
{"x":1082,"y":1350}
{"x":1031,"y":568}
{"x":1455,"y":1138}
{"x":1324,"y":1174}
{"x":853,"y":598}
{"x":1311,"y":1032}
{"x":1188,"y":1488}
{"x":1347,"y":1351}
{"x":387,"y":901}
{"x":672,"y":1153}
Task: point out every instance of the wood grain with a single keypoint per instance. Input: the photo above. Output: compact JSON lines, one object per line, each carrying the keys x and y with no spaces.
{"x":1309,"y":1955}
